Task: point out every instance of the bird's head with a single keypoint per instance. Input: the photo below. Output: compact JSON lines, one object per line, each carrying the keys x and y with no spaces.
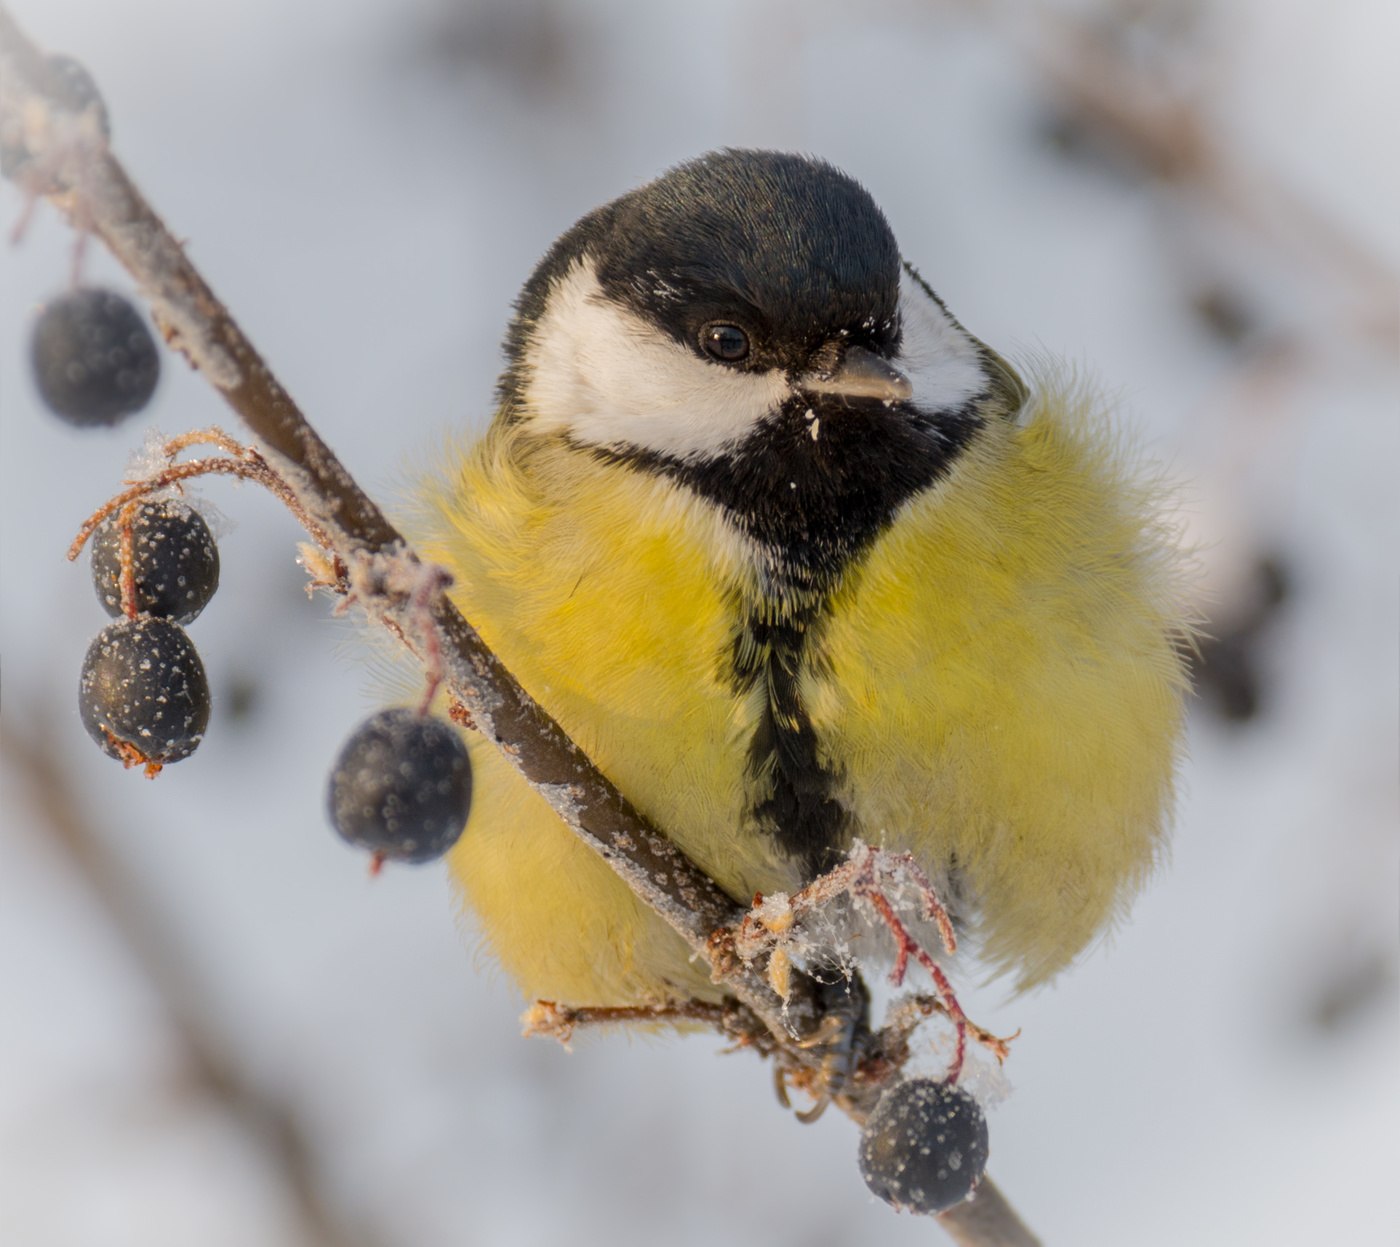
{"x":745,"y":324}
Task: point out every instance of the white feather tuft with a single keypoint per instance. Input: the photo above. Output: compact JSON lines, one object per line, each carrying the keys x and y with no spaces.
{"x":937,"y":355}
{"x":604,"y":376}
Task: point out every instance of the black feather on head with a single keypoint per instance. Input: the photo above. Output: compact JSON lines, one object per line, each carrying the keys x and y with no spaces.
{"x":790,"y":243}
{"x":788,"y":246}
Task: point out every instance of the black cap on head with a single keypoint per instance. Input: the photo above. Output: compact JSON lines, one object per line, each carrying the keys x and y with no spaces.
{"x":791,"y":262}
{"x":790,"y":247}
{"x":789,"y":240}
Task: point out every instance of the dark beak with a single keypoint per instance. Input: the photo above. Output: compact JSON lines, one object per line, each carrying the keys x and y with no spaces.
{"x":861,"y":374}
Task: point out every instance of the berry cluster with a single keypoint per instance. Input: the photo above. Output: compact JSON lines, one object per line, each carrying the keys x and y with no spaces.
{"x":402,"y":785}
{"x":143,"y":694}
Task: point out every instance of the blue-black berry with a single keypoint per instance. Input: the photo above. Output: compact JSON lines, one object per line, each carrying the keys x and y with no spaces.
{"x":402,"y":787}
{"x":924,"y":1148}
{"x":174,"y":561}
{"x":95,"y":361}
{"x":143,"y":694}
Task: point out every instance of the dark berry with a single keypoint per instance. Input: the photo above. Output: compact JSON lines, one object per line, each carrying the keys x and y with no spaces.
{"x":402,"y":787}
{"x":143,"y":694}
{"x":174,"y":561}
{"x":924,"y":1148}
{"x":95,"y":361}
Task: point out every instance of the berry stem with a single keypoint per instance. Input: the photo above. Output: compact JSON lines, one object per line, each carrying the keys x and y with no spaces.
{"x":240,"y":461}
{"x":128,"y":559}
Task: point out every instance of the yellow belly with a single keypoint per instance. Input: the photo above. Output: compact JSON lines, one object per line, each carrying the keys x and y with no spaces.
{"x":999,"y":688}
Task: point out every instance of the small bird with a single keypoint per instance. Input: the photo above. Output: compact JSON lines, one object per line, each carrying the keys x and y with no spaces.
{"x":798,"y":561}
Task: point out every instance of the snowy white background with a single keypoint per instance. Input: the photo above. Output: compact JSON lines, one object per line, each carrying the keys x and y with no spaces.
{"x":235,"y":1038}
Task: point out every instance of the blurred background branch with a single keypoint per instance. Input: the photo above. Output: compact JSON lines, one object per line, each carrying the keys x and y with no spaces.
{"x":201,"y":1068}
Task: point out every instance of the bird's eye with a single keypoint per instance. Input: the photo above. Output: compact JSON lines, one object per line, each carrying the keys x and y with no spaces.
{"x":726,"y":343}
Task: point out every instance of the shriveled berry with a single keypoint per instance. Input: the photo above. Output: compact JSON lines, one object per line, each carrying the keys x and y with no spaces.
{"x":924,"y":1148}
{"x":143,"y":694}
{"x":402,"y":787}
{"x":174,"y":561}
{"x":95,"y":361}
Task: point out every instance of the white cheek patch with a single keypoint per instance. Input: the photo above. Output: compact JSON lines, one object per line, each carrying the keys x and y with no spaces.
{"x":604,"y":376}
{"x":937,"y":356}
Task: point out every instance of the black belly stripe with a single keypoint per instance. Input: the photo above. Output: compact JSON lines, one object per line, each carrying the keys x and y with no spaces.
{"x":793,"y":793}
{"x":814,"y":506}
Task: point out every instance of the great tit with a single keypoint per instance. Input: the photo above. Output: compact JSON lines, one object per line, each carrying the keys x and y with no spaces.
{"x":797,"y":560}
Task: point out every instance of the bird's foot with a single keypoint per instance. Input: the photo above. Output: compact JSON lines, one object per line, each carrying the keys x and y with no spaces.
{"x":885,"y":884}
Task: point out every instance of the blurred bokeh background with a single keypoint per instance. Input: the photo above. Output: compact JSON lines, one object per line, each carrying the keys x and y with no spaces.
{"x":214,"y":1029}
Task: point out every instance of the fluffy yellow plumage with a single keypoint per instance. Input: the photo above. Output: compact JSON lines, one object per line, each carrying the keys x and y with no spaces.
{"x":796,"y":560}
{"x":997,"y":681}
